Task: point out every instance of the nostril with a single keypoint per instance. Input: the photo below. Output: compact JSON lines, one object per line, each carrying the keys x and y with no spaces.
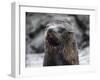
{"x":50,"y":30}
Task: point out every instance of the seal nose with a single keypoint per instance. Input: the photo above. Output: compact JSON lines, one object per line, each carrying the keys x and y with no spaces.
{"x":50,"y":30}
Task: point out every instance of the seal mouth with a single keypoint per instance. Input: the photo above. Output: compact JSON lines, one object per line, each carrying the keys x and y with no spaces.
{"x":53,"y":40}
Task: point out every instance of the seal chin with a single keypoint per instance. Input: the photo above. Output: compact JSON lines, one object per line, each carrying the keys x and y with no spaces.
{"x":53,"y":40}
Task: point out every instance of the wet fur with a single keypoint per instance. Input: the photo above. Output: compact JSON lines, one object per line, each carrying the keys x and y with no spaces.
{"x":60,"y":51}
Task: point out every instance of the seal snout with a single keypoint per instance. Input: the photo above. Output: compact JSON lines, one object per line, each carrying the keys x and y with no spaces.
{"x":52,"y":39}
{"x":54,"y":36}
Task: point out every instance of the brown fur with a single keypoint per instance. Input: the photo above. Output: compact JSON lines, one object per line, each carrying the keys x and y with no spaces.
{"x":60,"y":50}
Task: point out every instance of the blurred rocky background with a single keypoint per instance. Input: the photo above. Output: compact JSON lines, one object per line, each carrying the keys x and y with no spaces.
{"x":35,"y":30}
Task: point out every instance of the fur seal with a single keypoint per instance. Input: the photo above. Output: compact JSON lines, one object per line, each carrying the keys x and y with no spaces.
{"x":60,"y":44}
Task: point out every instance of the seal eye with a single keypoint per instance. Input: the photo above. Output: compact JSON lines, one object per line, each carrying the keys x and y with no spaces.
{"x":61,"y":30}
{"x":50,"y":30}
